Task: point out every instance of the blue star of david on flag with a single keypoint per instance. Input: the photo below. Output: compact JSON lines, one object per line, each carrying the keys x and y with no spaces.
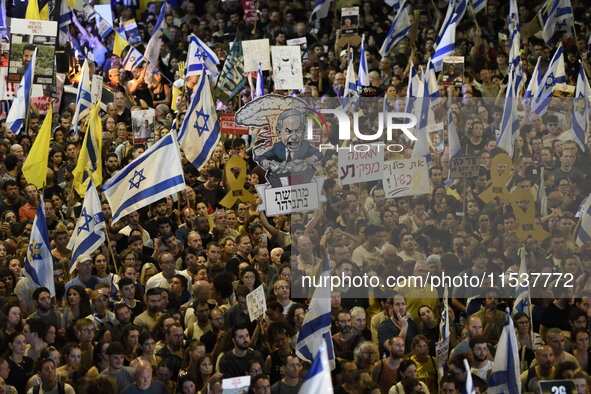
{"x":35,"y":249}
{"x":133,"y":182}
{"x":87,"y":220}
{"x":550,"y":81}
{"x":201,"y":126}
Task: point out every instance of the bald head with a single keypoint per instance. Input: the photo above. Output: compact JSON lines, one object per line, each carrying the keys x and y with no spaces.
{"x":143,"y":375}
{"x":202,"y":290}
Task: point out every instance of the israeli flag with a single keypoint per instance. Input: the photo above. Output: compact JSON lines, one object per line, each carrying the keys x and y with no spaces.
{"x":532,"y":86}
{"x":585,"y":228}
{"x":315,"y":331}
{"x":200,"y":57}
{"x":84,"y":97}
{"x":64,"y":21}
{"x":412,"y":89}
{"x":155,"y":174}
{"x":555,"y":74}
{"x":515,"y":35}
{"x":469,"y":383}
{"x":581,"y":108}
{"x":363,"y":73}
{"x":200,"y":131}
{"x":399,"y":29}
{"x":505,"y":372}
{"x":260,"y":86}
{"x":318,"y":380}
{"x":522,"y":294}
{"x":447,"y":44}
{"x":89,"y":233}
{"x":153,"y":48}
{"x":478,"y":5}
{"x":555,"y":16}
{"x":320,"y":10}
{"x":132,"y":59}
{"x":15,"y":119}
{"x":350,"y":84}
{"x":454,"y":7}
{"x":509,"y":121}
{"x":39,"y":261}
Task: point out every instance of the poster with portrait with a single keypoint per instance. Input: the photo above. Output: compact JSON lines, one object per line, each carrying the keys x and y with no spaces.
{"x":287,"y":67}
{"x":435,"y":137}
{"x":349,"y":21}
{"x":142,"y":124}
{"x":453,"y":71}
{"x":26,"y":36}
{"x":132,"y":32}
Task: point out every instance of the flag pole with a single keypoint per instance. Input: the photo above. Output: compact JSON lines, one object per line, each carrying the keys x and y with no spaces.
{"x":111,"y":250}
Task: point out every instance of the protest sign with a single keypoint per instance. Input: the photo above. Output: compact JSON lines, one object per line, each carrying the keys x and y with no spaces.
{"x":234,"y":180}
{"x":464,"y":166}
{"x":287,"y":67}
{"x":250,"y":11}
{"x":237,"y":385}
{"x":256,"y":54}
{"x":142,"y":123}
{"x":25,"y":36}
{"x":453,"y":71}
{"x":501,"y":166}
{"x":302,"y":42}
{"x":406,"y":177}
{"x":256,"y":303}
{"x":132,"y":32}
{"x":349,"y":20}
{"x":356,"y":167}
{"x":228,"y":125}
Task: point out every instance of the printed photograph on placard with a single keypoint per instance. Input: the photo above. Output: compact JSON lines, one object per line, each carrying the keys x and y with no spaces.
{"x":4,"y":50}
{"x":349,"y":21}
{"x":435,"y":134}
{"x":453,"y":71}
{"x":142,"y":124}
{"x":132,"y":32}
{"x":26,"y":36}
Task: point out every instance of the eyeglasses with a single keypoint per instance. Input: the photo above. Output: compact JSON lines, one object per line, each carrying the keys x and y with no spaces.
{"x":248,"y":277}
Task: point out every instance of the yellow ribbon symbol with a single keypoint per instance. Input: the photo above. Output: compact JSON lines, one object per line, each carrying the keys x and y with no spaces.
{"x":524,"y":210}
{"x":234,"y":178}
{"x":500,"y":171}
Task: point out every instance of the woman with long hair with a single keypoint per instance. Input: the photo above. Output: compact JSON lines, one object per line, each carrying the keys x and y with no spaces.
{"x":101,"y":270}
{"x":148,"y":271}
{"x":147,"y":345}
{"x":78,"y":305}
{"x":20,"y":365}
{"x":250,"y":278}
{"x":205,"y":365}
{"x":580,"y":341}
{"x":71,"y":370}
{"x":527,"y":344}
{"x":161,"y":92}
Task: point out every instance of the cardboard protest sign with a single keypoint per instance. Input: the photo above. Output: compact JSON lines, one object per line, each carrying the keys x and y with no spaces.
{"x":464,"y":166}
{"x":256,"y":53}
{"x":142,"y":124}
{"x":349,"y":21}
{"x":287,"y":67}
{"x":453,"y":71}
{"x":435,"y":137}
{"x":237,"y":385}
{"x":406,"y":177}
{"x":234,"y":179}
{"x":524,"y":209}
{"x":500,"y":171}
{"x":256,"y":303}
{"x":228,"y":125}
{"x":357,"y":167}
{"x":132,"y":32}
{"x":250,"y":11}
{"x":25,"y":36}
{"x":302,"y":42}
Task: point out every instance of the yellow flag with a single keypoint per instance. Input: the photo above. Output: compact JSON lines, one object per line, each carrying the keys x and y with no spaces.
{"x":35,"y":167}
{"x":176,"y":92}
{"x":44,"y":13}
{"x":33,"y":11}
{"x":119,"y":44}
{"x":90,"y":154}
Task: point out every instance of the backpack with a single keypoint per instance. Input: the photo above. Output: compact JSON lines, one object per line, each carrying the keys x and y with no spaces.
{"x":61,"y":388}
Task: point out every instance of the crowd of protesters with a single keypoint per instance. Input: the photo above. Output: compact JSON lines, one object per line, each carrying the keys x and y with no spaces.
{"x":162,"y":308}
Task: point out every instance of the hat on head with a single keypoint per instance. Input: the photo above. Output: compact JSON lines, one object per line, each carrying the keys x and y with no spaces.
{"x":98,"y":293}
{"x":82,"y":258}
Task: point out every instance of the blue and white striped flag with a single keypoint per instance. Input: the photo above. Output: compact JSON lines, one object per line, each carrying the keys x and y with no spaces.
{"x":505,"y":372}
{"x":15,"y":119}
{"x":39,"y":261}
{"x":84,"y":96}
{"x":447,"y":43}
{"x":455,"y":147}
{"x":152,"y":51}
{"x":89,"y":233}
{"x":584,"y":234}
{"x":200,"y":131}
{"x":315,"y":330}
{"x":260,"y":86}
{"x":509,"y":121}
{"x":399,"y":29}
{"x":155,"y":174}
{"x":132,"y":59}
{"x":532,"y":86}
{"x":469,"y":389}
{"x":555,"y":16}
{"x":363,"y":73}
{"x":581,"y":108}
{"x":454,"y":7}
{"x":514,"y":34}
{"x":555,"y":74}
{"x":478,"y":5}
{"x":428,"y":97}
{"x":350,"y":82}
{"x":522,"y":294}
{"x":318,"y":380}
{"x":200,"y":57}
{"x":412,"y":90}
{"x":320,"y":10}
{"x":64,"y":21}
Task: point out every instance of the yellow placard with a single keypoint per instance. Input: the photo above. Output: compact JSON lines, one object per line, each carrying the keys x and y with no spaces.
{"x":524,"y":209}
{"x":234,"y":178}
{"x":500,"y":171}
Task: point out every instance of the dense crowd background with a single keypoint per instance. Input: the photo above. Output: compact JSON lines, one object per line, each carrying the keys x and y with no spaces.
{"x":162,"y":308}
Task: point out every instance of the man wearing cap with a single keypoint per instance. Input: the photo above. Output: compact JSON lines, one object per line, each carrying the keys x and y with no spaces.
{"x":102,"y":317}
{"x":143,"y":381}
{"x":123,"y":376}
{"x":85,"y":278}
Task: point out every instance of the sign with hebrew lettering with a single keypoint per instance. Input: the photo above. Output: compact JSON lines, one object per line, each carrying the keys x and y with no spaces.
{"x":406,"y":177}
{"x":290,"y":199}
{"x":464,"y":166}
{"x":256,"y":303}
{"x":237,"y":385}
{"x":357,"y":167}
{"x":256,"y":54}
